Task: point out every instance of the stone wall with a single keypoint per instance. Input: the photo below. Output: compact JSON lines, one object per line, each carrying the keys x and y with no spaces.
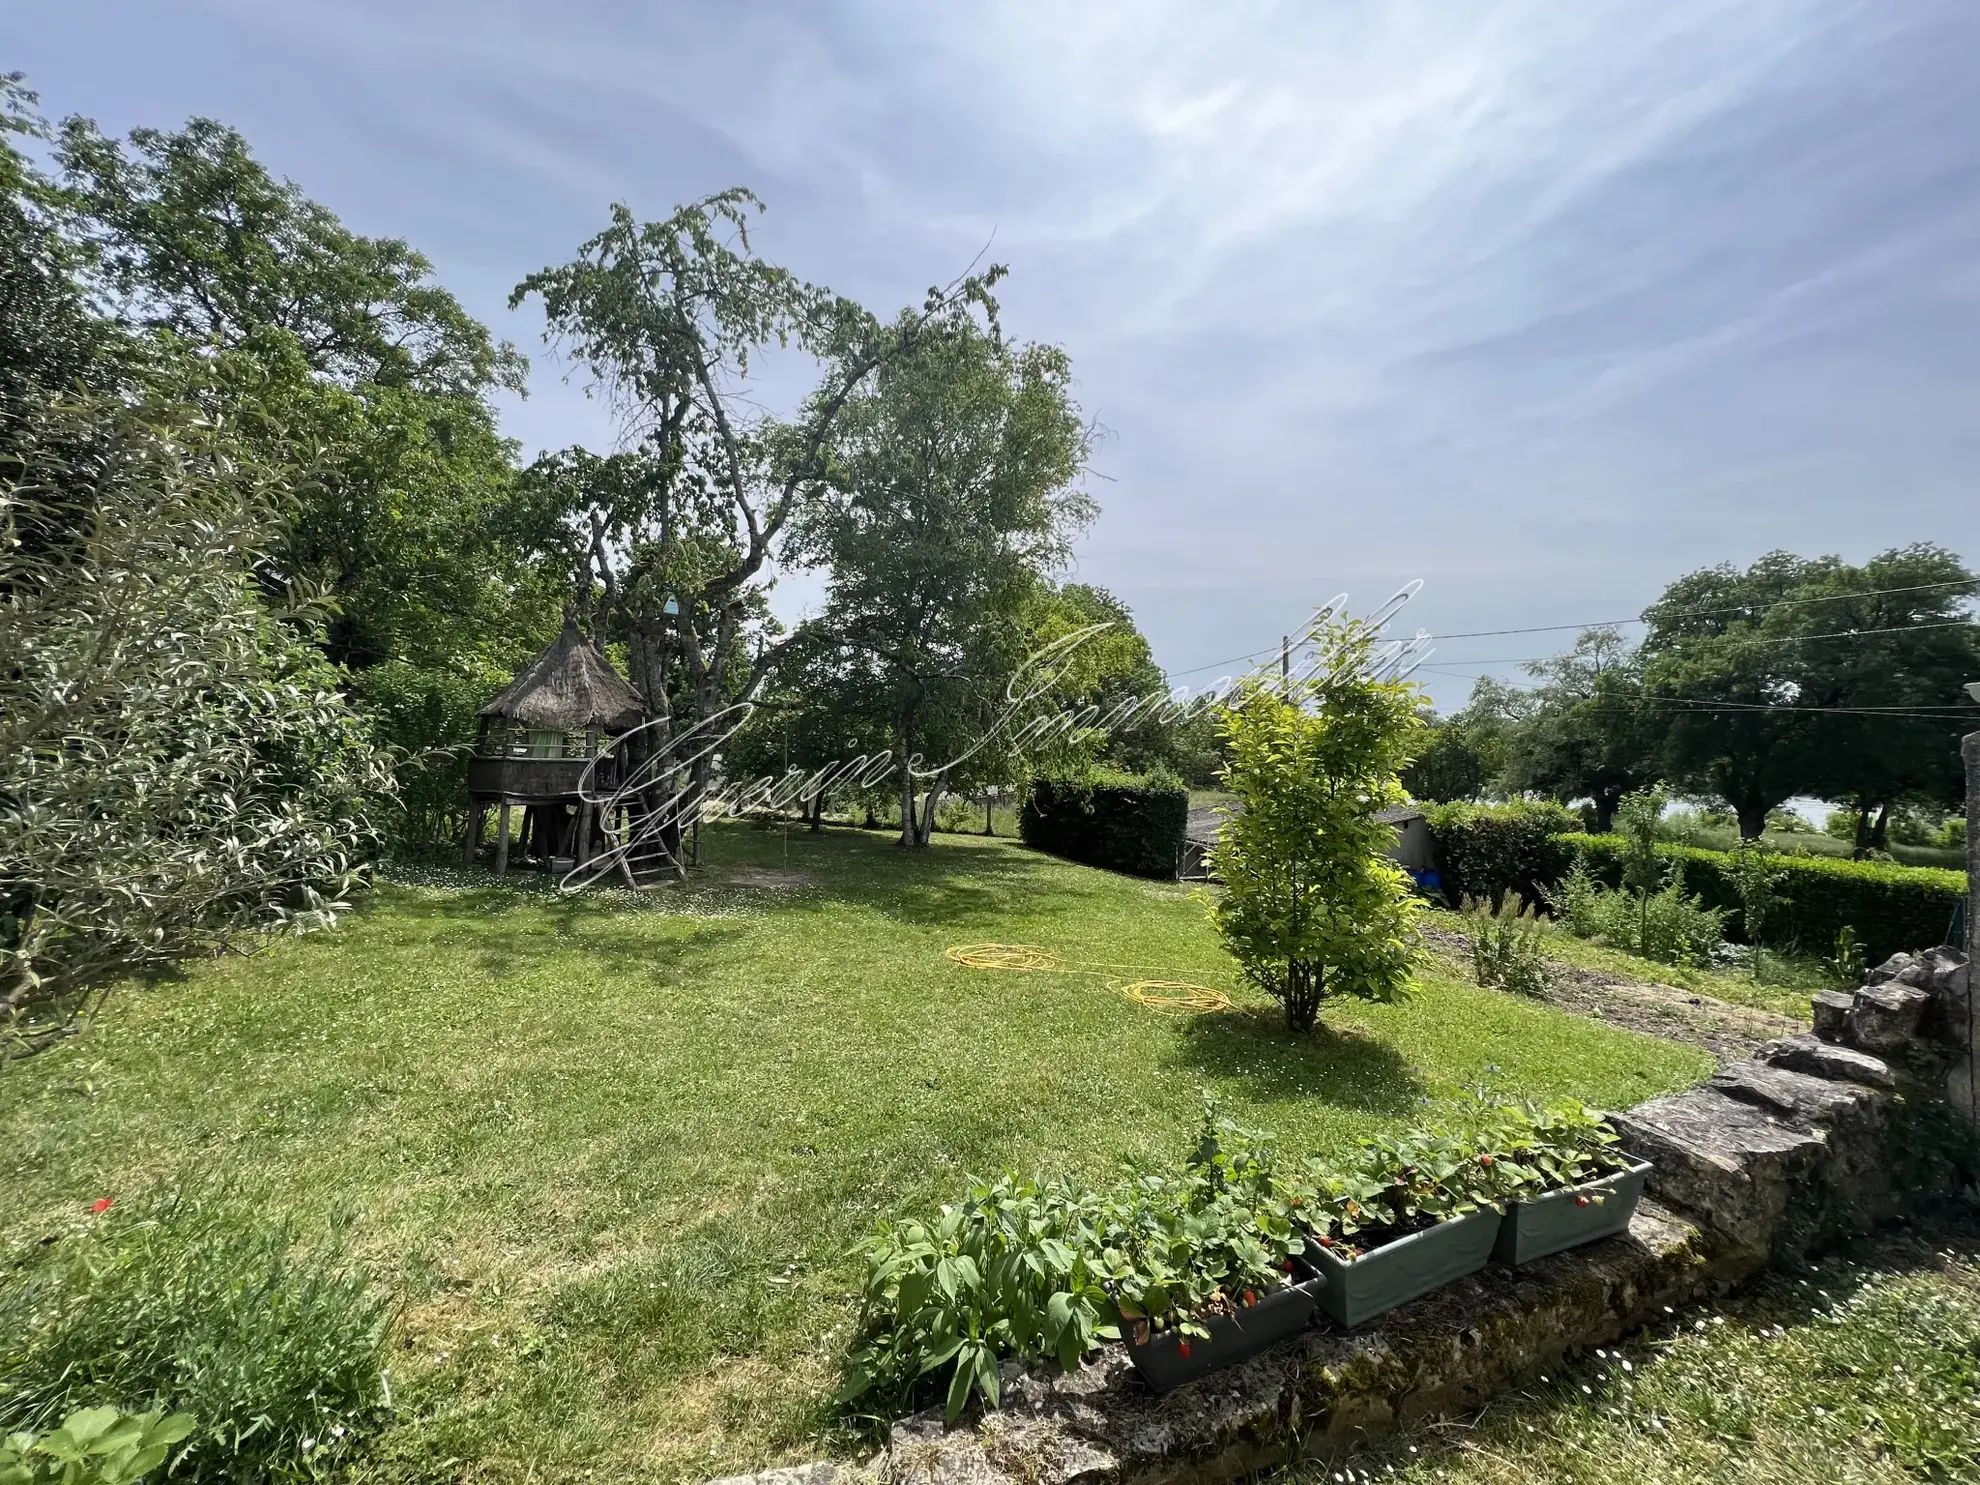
{"x":1806,"y":1143}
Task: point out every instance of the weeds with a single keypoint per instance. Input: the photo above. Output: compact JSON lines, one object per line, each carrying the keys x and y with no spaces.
{"x":193,"y":1303}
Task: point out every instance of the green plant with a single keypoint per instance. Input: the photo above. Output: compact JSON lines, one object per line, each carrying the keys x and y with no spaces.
{"x":1538,"y":1147}
{"x":1577,"y":901}
{"x":192,"y":1302}
{"x":1751,"y":870}
{"x":1489,"y":850}
{"x":1668,"y":925}
{"x":1031,"y":1270}
{"x":1891,"y":907}
{"x":1674,"y":927}
{"x":1505,"y":945}
{"x":1848,"y":960}
{"x":1312,"y":905}
{"x":1394,"y":1185}
{"x":1008,"y":1271}
{"x":1208,"y":1242}
{"x":96,"y":1446}
{"x":1124,"y":822}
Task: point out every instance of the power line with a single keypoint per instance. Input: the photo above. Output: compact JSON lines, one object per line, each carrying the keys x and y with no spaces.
{"x":1613,"y":623}
{"x":1790,"y":639}
{"x":1737,"y":608}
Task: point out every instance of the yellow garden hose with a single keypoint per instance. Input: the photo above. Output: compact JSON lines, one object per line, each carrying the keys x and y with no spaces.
{"x":1174,"y":997}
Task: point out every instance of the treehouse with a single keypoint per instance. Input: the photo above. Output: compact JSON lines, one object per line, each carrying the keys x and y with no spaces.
{"x":535,"y":742}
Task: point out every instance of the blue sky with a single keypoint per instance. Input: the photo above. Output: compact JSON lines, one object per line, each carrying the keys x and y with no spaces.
{"x":1543,"y":304}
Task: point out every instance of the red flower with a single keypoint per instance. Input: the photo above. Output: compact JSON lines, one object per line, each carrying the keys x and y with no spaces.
{"x":101,"y":1205}
{"x":1184,"y":1348}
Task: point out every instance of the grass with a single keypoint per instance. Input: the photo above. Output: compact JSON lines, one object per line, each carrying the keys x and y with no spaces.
{"x":609,"y":1153}
{"x":1861,"y":1370}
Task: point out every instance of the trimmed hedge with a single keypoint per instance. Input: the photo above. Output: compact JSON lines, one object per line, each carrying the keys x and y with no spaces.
{"x":1892,"y":908}
{"x":1484,"y":850}
{"x":1120,"y":821}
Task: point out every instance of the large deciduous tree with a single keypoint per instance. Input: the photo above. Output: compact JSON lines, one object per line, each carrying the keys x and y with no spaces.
{"x":677,"y":538}
{"x":1583,"y":733}
{"x":953,"y":494}
{"x":340,"y":363}
{"x":1813,"y":676}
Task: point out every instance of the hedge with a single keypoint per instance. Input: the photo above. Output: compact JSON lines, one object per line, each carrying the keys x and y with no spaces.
{"x":1484,"y":850}
{"x":1120,"y":821}
{"x":1892,"y":908}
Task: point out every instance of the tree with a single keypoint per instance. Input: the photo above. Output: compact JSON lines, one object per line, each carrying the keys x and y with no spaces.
{"x":1313,"y":906}
{"x":189,"y":235}
{"x":1582,"y":734}
{"x":335,"y":359}
{"x":1452,"y":765}
{"x":670,"y":318}
{"x":952,"y":496}
{"x":1810,"y":676}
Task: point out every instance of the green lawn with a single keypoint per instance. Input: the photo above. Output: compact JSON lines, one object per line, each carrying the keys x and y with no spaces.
{"x":610,"y":1152}
{"x":1863,"y":1369}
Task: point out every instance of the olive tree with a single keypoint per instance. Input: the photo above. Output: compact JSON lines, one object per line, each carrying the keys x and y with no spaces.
{"x":1313,"y":905}
{"x":176,"y":769}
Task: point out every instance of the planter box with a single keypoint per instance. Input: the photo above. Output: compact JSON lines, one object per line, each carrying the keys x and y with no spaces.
{"x":1233,"y":1338}
{"x":1398,"y":1272}
{"x":1551,"y":1223}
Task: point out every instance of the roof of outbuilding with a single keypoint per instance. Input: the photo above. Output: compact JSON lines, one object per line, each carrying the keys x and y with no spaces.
{"x":570,"y":686}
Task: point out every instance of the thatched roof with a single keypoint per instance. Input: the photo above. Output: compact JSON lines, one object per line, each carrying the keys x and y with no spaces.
{"x":568,"y":687}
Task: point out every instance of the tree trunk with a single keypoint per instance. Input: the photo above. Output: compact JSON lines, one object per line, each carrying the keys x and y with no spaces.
{"x":818,"y":812}
{"x":927,"y":830}
{"x":910,"y":837}
{"x":1880,"y":833}
{"x":1605,"y":802}
{"x":989,"y":821}
{"x":1862,"y":841}
{"x":1752,"y":820}
{"x":1304,"y":982}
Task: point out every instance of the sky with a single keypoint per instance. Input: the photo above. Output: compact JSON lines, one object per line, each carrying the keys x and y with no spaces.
{"x":1541,"y":304}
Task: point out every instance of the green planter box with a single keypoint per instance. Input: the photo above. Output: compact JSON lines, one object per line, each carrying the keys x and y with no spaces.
{"x":1398,"y":1272}
{"x":1280,"y":1315}
{"x":1558,"y":1221}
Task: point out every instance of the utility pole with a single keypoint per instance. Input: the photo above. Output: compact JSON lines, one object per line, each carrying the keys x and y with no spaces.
{"x":1969,"y":748}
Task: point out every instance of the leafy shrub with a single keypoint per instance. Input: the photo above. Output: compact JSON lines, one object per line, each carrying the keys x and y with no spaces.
{"x":1891,"y":908}
{"x":1490,"y":850}
{"x":1124,"y":822}
{"x":1668,"y":925}
{"x":1577,"y":901}
{"x":1313,"y":906}
{"x":1505,"y":945}
{"x":96,"y":1446}
{"x":190,"y":1303}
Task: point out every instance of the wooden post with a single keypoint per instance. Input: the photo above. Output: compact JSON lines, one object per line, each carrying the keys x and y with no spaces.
{"x":583,"y":852}
{"x":502,"y":841}
{"x":476,"y":811}
{"x":1969,"y":747}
